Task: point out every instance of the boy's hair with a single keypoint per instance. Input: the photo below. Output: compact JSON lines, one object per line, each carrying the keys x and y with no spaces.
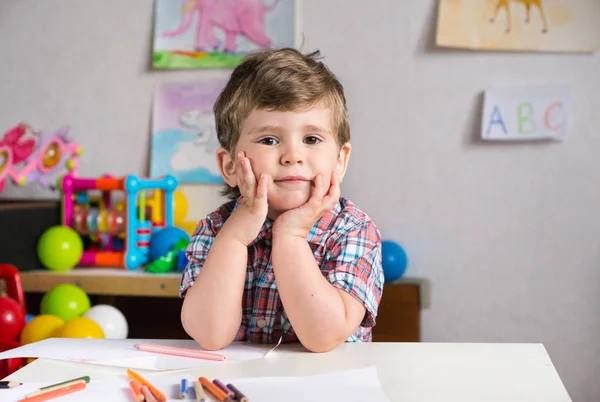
{"x":283,"y":80}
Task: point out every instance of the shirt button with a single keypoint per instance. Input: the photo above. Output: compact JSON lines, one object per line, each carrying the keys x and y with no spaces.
{"x":261,"y":323}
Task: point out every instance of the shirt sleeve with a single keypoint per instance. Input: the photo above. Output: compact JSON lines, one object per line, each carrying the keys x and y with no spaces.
{"x":355,"y":266}
{"x":196,"y":252}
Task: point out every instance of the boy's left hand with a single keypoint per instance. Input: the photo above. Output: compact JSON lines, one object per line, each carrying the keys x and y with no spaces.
{"x":300,"y":221}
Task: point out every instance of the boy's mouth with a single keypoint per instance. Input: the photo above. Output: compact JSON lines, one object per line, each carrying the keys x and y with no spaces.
{"x":292,"y":180}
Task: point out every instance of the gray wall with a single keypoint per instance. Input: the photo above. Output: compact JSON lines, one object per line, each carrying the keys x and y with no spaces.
{"x":508,"y":234}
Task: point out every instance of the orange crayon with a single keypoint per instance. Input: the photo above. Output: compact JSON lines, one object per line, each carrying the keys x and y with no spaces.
{"x":214,"y":390}
{"x":137,"y":392}
{"x":157,"y":394}
{"x":46,"y":396}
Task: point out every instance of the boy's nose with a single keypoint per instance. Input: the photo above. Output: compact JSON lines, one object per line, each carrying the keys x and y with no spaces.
{"x":291,"y":156}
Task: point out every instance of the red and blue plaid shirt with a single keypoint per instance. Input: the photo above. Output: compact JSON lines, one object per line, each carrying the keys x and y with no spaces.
{"x":346,"y":245}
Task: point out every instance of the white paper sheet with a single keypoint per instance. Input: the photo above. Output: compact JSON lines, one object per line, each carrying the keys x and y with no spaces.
{"x":526,"y":113}
{"x":121,"y":352}
{"x":348,"y":386}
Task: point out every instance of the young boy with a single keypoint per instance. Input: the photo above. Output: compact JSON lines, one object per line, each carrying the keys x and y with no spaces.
{"x":287,"y":258}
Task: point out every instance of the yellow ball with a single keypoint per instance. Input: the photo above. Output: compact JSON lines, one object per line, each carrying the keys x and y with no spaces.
{"x":41,"y":327}
{"x":81,"y":327}
{"x":180,"y":207}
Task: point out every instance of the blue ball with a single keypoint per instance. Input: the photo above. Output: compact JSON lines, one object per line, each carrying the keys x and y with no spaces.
{"x":394,"y":260}
{"x":29,"y":317}
{"x":164,"y":240}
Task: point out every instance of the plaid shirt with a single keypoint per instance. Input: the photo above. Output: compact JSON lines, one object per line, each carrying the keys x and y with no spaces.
{"x":346,"y":245}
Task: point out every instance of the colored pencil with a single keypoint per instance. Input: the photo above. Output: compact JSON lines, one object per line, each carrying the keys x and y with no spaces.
{"x":48,"y":388}
{"x":149,"y":397}
{"x":200,"y":395}
{"x":46,"y":396}
{"x":159,"y":395}
{"x":183,"y":389}
{"x":9,"y":384}
{"x":170,"y":350}
{"x":238,"y":395}
{"x":223,"y":387}
{"x":137,"y":391}
{"x":214,"y":390}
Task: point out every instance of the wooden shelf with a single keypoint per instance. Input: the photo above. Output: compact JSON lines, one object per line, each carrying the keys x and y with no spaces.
{"x":398,"y":318}
{"x":122,"y":282}
{"x":105,"y":281}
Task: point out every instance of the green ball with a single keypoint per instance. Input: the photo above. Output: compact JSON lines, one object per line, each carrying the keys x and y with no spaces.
{"x":60,"y":248}
{"x":65,"y":301}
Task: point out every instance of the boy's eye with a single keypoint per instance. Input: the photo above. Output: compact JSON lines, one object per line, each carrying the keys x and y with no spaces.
{"x":311,"y":140}
{"x":268,"y":141}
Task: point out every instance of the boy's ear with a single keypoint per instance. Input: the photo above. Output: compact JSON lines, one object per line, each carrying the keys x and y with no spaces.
{"x":227,"y":166}
{"x":343,"y":158}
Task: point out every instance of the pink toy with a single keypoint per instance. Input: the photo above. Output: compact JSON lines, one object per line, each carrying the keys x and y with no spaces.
{"x":234,"y":17}
{"x":39,"y":159}
{"x":13,"y":151}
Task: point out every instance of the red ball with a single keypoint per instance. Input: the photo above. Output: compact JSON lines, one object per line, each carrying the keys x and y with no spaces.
{"x":12,"y":319}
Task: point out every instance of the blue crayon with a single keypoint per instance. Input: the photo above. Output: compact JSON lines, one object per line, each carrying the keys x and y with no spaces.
{"x":183,"y":390}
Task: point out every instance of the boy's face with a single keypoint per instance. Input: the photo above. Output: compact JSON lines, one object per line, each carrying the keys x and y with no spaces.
{"x":292,"y":148}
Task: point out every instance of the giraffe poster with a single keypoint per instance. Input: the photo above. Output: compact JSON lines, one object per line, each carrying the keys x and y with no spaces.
{"x":191,"y":34}
{"x":521,"y":25}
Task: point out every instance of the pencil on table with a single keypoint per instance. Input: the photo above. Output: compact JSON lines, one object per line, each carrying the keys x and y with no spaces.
{"x":223,"y":387}
{"x":9,"y":384}
{"x":200,"y":395}
{"x":48,"y":388}
{"x":183,"y":389}
{"x":155,"y":391}
{"x":46,"y":396}
{"x":238,"y":395}
{"x":149,"y":397}
{"x":137,"y":392}
{"x":214,"y":390}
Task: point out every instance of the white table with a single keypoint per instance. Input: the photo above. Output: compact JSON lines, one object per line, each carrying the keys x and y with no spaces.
{"x":409,"y":372}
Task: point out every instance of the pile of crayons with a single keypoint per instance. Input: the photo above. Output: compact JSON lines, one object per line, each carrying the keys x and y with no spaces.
{"x":144,"y":391}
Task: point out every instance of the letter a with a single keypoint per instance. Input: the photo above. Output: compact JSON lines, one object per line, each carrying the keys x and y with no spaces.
{"x":496,"y":118}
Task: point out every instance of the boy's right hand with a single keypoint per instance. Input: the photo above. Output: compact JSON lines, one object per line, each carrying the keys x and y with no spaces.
{"x":246,"y":221}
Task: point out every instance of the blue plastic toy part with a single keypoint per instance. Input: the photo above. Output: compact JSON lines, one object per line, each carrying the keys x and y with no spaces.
{"x":182,"y":260}
{"x":165,"y":239}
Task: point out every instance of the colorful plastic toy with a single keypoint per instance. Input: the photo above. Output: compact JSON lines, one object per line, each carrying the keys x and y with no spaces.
{"x":39,"y":158}
{"x":14,"y":289}
{"x":12,"y":308}
{"x":169,"y":260}
{"x":116,"y":218}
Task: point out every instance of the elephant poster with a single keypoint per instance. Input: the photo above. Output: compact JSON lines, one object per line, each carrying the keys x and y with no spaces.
{"x":194,"y":34}
{"x":184,"y":139}
{"x":521,"y":25}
